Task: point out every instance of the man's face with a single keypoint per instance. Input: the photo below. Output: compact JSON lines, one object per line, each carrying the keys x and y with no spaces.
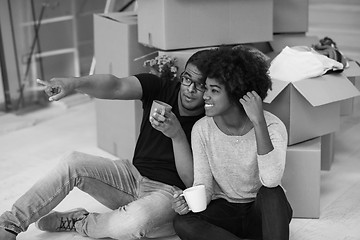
{"x":191,"y":98}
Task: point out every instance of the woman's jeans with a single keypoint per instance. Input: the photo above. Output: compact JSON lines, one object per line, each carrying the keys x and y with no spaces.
{"x":140,"y":207}
{"x":268,"y":217}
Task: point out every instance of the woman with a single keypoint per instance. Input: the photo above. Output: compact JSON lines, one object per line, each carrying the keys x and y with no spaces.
{"x":239,"y":155}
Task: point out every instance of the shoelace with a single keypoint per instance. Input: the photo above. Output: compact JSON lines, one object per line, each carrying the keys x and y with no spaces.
{"x":67,"y":224}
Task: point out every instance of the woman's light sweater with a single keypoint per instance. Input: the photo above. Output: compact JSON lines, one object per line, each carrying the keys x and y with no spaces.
{"x":230,"y":167}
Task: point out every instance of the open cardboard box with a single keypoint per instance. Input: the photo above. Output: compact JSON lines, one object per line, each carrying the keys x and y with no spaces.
{"x":353,"y":74}
{"x":180,"y":24}
{"x":310,"y":107}
{"x":353,"y":71}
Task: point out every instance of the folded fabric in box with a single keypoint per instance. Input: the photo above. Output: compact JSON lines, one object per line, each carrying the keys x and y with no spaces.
{"x":301,"y":62}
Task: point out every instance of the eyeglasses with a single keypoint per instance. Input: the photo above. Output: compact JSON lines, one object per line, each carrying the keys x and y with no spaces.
{"x":186,"y":81}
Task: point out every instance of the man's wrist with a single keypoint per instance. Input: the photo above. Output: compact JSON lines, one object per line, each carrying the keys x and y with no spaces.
{"x":179,"y":135}
{"x":76,"y":83}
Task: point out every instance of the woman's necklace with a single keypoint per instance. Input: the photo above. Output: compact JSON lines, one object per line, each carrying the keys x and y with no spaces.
{"x":241,"y":131}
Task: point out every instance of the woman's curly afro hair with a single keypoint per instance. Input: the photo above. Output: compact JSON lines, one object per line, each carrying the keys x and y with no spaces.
{"x":240,"y":69}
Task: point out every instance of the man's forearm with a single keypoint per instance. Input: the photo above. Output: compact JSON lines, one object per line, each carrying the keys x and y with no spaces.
{"x":98,"y":86}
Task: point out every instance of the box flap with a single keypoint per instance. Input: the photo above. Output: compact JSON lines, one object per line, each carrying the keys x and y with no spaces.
{"x":326,"y":89}
{"x":353,"y":70}
{"x":127,"y":17}
{"x":277,"y":87}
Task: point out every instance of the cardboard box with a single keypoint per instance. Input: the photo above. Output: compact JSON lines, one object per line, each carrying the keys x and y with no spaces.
{"x":301,"y":178}
{"x":353,"y":74}
{"x":291,"y":16}
{"x":310,"y":107}
{"x":353,"y":71}
{"x":299,"y":39}
{"x":179,"y":24}
{"x":116,"y":47}
{"x":347,"y":105}
{"x":327,"y":151}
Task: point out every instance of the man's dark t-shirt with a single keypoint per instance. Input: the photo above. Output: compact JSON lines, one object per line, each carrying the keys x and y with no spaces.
{"x":154,"y":155}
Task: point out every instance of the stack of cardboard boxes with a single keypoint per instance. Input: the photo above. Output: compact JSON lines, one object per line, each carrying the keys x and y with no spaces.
{"x":310,"y":108}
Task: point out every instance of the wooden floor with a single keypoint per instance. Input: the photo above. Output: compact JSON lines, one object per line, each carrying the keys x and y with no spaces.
{"x":31,"y":150}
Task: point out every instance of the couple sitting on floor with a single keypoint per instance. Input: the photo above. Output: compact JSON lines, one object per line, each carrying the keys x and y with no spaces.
{"x":237,"y":150}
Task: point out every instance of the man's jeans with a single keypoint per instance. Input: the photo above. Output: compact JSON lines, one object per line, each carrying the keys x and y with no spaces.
{"x":140,"y":207}
{"x":268,"y":217}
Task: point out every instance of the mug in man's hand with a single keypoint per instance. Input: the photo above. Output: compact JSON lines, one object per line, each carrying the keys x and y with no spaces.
{"x":163,"y":107}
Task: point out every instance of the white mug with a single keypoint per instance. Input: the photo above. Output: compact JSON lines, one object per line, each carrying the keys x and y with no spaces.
{"x":195,"y":198}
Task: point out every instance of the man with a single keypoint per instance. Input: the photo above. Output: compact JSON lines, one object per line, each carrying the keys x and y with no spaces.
{"x":139,"y":192}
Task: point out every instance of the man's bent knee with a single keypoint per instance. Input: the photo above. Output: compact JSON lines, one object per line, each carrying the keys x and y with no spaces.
{"x":72,"y":158}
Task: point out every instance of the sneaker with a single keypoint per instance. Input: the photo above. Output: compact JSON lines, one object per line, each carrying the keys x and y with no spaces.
{"x":61,"y":221}
{"x":5,"y":235}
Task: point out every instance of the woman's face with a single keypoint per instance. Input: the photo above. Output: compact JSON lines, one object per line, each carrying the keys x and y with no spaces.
{"x":217,"y":101}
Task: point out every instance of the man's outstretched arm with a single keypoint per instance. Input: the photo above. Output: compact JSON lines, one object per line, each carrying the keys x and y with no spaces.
{"x":105,"y":86}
